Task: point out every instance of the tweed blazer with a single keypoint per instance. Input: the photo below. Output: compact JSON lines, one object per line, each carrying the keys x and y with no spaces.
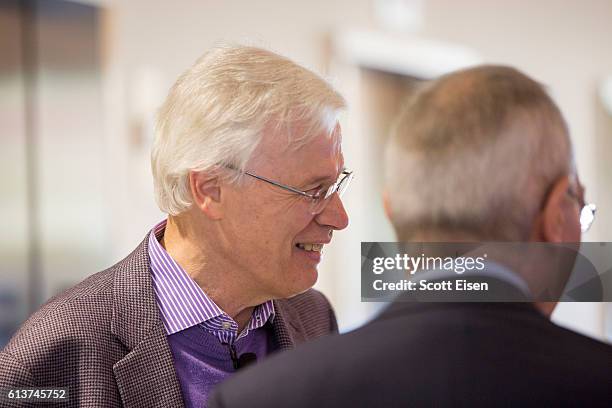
{"x":103,"y":340}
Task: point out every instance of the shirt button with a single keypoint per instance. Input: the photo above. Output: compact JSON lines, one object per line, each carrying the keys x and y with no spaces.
{"x":226,"y":325}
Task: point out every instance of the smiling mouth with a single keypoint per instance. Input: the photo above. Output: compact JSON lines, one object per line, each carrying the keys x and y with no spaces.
{"x":310,"y":247}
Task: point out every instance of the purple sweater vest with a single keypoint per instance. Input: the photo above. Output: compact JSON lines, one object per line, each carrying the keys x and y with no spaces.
{"x":201,"y":361}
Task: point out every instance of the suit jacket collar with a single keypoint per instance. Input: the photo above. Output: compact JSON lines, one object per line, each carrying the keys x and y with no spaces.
{"x":146,"y":375}
{"x":287,"y":325}
{"x":135,"y":312}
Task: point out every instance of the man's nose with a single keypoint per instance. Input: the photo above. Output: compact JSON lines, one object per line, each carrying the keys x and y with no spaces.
{"x":333,"y":215}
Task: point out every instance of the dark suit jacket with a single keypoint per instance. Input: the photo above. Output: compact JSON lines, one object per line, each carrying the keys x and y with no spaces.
{"x":104,"y":340}
{"x":434,"y":354}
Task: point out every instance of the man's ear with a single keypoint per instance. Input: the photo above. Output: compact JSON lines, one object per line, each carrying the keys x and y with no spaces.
{"x":206,"y":193}
{"x":554,"y":217}
{"x":386,"y":203}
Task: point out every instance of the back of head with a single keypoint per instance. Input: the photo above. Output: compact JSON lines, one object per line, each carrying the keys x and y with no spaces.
{"x":473,"y":154}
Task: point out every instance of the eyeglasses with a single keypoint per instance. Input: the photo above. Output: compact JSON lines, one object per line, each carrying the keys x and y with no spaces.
{"x":587,"y":216}
{"x":320,"y":198}
{"x":587,"y":211}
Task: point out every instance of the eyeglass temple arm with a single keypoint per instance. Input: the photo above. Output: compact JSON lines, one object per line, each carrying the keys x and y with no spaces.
{"x":295,"y":190}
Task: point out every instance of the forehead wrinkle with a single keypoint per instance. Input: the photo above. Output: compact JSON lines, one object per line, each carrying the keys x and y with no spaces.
{"x":279,"y":161}
{"x":328,"y":177}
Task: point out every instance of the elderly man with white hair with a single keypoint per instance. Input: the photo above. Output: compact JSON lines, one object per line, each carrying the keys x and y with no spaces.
{"x":248,"y":165}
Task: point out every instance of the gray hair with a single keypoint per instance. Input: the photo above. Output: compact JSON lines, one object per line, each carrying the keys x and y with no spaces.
{"x":215,"y":114}
{"x":475,"y":152}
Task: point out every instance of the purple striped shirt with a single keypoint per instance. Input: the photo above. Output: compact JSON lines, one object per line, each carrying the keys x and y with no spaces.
{"x":183,"y":304}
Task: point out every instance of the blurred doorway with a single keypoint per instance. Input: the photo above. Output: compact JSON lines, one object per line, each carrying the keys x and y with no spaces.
{"x":376,"y":73}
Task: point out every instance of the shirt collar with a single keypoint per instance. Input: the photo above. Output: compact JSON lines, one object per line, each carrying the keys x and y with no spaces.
{"x":181,"y":301}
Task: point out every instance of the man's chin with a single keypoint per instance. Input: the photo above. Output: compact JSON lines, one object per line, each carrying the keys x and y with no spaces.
{"x":307,"y":280}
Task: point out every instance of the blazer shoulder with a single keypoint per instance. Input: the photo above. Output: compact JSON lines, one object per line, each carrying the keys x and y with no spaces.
{"x":97,"y":285}
{"x":315,"y":311}
{"x":81,"y":312}
{"x":14,"y":374}
{"x":76,"y":310}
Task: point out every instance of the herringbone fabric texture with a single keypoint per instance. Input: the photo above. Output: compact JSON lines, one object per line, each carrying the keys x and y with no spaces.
{"x":103,"y":340}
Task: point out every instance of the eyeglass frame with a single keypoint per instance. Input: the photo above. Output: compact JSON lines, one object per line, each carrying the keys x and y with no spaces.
{"x":317,"y":196}
{"x":590,"y":207}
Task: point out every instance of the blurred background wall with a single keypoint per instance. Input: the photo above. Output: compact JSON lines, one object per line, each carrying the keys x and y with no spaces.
{"x":80,"y":83}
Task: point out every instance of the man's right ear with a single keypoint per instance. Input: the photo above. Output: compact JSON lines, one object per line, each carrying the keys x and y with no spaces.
{"x":206,"y":193}
{"x":556,"y":221}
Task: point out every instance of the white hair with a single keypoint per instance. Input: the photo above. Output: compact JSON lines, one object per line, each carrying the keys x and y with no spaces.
{"x":215,"y":114}
{"x":475,"y":152}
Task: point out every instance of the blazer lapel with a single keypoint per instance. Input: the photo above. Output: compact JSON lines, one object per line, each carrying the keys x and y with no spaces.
{"x":145,"y":376}
{"x":287,"y":326}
